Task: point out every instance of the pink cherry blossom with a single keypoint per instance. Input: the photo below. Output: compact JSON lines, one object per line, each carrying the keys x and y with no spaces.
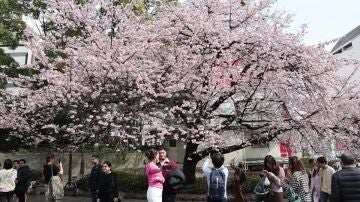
{"x":190,"y":71}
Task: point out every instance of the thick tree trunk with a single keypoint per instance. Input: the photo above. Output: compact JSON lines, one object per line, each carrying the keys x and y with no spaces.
{"x":82,"y":165}
{"x":190,"y":162}
{"x":70,"y":167}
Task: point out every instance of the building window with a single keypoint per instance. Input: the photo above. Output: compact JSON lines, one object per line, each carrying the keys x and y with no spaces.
{"x":347,"y":46}
{"x":20,"y":58}
{"x":337,"y":52}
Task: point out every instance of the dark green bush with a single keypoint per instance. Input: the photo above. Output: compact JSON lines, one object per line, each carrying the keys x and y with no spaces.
{"x":199,"y":187}
{"x":131,"y":183}
{"x":250,"y":183}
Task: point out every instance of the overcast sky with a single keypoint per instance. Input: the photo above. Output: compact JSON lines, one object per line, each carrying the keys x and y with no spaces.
{"x":326,"y":19}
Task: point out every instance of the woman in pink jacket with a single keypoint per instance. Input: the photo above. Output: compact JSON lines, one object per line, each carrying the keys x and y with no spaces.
{"x":155,"y":177}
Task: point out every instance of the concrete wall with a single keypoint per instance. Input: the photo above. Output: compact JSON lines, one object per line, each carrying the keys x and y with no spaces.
{"x":176,"y":153}
{"x":250,"y":154}
{"x":253,"y":154}
{"x":120,"y":161}
{"x":134,"y":161}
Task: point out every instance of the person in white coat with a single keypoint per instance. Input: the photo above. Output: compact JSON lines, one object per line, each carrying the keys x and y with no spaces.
{"x":8,"y":176}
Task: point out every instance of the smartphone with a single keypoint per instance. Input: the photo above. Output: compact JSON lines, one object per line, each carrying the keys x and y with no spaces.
{"x":59,"y":161}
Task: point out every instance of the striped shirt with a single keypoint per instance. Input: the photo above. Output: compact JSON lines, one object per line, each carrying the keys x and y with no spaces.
{"x":300,"y":185}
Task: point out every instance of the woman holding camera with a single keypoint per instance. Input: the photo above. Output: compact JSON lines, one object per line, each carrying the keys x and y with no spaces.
{"x":275,"y":175}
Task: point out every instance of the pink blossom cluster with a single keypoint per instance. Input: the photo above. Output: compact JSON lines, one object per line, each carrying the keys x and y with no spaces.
{"x":188,"y":71}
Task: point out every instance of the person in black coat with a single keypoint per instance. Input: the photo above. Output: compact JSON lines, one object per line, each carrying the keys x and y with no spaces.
{"x":94,"y":177}
{"x":345,"y":184}
{"x":108,"y":185}
{"x":23,"y":180}
{"x":167,"y":166}
{"x":174,"y":181}
{"x":50,"y":169}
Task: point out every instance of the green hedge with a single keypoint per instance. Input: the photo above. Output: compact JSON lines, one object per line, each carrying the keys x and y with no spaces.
{"x":250,"y":183}
{"x":137,"y":183}
{"x":131,"y":183}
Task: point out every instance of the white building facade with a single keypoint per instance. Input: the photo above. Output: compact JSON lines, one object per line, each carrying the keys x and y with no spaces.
{"x":348,"y":47}
{"x":21,"y":54}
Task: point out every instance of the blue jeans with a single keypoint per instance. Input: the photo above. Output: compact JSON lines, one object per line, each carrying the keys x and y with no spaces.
{"x":324,"y":197}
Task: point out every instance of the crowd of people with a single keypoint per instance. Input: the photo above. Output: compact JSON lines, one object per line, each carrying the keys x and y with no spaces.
{"x":16,"y":179}
{"x":103,"y":184}
{"x":288,"y":182}
{"x":291,"y":182}
{"x":163,"y":176}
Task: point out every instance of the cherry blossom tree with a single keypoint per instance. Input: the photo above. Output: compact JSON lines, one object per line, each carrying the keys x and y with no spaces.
{"x":109,"y":73}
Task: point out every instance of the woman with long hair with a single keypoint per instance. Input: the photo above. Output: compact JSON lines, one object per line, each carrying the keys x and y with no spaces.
{"x":154,"y":176}
{"x":299,"y":181}
{"x":315,"y":184}
{"x":239,"y":180}
{"x":53,"y":184}
{"x":275,"y":174}
{"x":8,"y":176}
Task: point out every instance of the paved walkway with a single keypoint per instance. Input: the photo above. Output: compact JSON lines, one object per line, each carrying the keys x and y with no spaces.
{"x":40,"y":198}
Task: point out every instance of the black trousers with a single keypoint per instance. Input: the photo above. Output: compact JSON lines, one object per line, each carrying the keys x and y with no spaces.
{"x":168,"y":197}
{"x":20,"y":195}
{"x":93,"y":195}
{"x":6,"y":196}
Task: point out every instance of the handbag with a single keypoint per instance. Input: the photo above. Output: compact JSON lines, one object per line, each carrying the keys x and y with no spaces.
{"x":262,"y":191}
{"x":55,"y":187}
{"x":293,"y":197}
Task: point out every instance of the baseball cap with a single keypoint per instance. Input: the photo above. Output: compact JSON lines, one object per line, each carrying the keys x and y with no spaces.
{"x":347,"y":158}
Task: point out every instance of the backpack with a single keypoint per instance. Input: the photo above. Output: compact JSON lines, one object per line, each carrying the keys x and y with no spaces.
{"x":217,"y":184}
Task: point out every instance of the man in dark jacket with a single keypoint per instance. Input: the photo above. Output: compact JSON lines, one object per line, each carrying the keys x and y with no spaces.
{"x":23,"y":180}
{"x":345,"y":184}
{"x":94,"y":177}
{"x":167,"y":166}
